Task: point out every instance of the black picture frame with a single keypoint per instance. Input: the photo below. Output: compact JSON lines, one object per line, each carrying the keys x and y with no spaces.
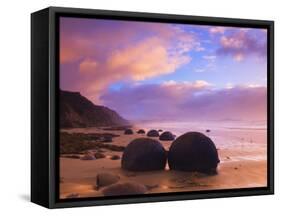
{"x":45,"y":106}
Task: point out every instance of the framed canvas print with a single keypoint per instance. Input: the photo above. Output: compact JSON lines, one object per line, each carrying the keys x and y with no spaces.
{"x":139,"y":107}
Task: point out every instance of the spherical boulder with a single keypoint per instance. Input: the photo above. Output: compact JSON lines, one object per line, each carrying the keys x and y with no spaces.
{"x":141,"y":131}
{"x":193,"y":151}
{"x":126,"y":188}
{"x":167,"y":136}
{"x":128,"y":131}
{"x":153,"y":133}
{"x":144,"y":154}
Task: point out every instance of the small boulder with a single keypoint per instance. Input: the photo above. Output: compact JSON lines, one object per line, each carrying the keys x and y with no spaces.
{"x":144,"y":154}
{"x":88,"y":157}
{"x":99,"y":155}
{"x":153,"y":133}
{"x":115,"y":157}
{"x":208,"y":130}
{"x":128,"y":131}
{"x":193,"y":151}
{"x":167,"y":136}
{"x":105,"y":179}
{"x":141,"y":131}
{"x":160,"y":130}
{"x":127,"y":188}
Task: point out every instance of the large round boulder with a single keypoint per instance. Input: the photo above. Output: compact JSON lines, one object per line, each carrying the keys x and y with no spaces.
{"x":167,"y":136}
{"x":193,"y":151}
{"x":144,"y":154}
{"x":126,"y":188}
{"x":153,"y":133}
{"x":128,"y":131}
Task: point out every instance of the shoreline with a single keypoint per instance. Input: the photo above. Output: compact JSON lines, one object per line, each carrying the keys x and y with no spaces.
{"x":241,"y":166}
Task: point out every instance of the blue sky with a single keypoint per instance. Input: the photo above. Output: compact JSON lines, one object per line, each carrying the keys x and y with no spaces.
{"x":217,"y":69}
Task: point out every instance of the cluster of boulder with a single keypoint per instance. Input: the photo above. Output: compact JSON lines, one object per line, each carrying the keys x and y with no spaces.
{"x":165,"y":136}
{"x":192,"y":151}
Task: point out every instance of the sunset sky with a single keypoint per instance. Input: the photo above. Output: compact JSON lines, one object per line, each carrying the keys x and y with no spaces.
{"x":165,"y":71}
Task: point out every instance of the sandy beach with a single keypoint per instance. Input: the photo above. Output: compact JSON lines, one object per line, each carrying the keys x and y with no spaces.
{"x":242,"y":154}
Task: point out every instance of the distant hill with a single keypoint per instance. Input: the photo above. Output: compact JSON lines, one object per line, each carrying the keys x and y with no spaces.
{"x":77,"y":111}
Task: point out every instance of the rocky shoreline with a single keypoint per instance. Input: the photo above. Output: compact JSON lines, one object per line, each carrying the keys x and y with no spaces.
{"x":122,"y":163}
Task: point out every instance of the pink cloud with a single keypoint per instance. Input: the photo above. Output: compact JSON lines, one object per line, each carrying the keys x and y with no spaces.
{"x":149,"y":58}
{"x":242,"y":44}
{"x":239,"y":102}
{"x":135,"y":52}
{"x":188,"y":101}
{"x":73,"y":47}
{"x":88,"y":66}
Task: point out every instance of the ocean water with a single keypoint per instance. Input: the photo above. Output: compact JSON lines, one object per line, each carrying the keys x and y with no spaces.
{"x":247,"y":139}
{"x":180,"y":127}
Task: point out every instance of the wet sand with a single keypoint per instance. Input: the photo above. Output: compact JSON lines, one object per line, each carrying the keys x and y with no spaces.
{"x":242,"y":165}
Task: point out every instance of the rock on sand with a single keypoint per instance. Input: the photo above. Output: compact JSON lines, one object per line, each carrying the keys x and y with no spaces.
{"x":127,"y":188}
{"x":153,"y":133}
{"x":105,"y":179}
{"x":128,"y":131}
{"x":115,"y":157}
{"x":167,"y":136}
{"x":193,"y":151}
{"x":141,"y":131}
{"x":144,"y":154}
{"x":99,"y":155}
